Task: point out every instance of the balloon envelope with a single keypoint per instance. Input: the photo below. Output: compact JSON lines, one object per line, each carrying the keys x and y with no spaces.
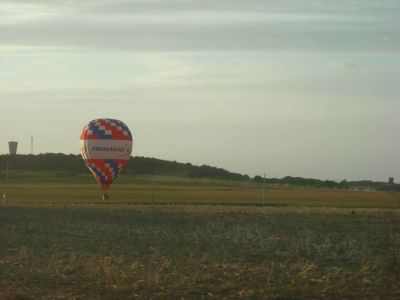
{"x":106,"y":145}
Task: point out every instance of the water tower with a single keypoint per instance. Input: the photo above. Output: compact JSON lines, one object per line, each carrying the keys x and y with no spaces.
{"x":12,"y":146}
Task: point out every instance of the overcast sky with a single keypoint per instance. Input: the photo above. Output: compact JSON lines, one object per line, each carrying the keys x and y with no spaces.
{"x":305,"y":88}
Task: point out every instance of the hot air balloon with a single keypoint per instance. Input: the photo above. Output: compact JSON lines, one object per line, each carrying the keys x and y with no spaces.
{"x":106,"y":145}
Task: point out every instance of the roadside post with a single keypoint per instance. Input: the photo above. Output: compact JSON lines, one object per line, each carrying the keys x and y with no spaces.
{"x":5,"y":195}
{"x":263,"y":192}
{"x":153,"y":198}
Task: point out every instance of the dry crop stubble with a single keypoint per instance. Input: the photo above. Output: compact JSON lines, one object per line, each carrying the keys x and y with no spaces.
{"x":199,"y":251}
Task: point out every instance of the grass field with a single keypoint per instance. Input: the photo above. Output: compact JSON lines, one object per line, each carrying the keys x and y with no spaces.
{"x":195,"y":239}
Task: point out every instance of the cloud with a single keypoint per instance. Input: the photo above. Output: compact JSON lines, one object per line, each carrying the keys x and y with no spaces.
{"x":272,"y":26}
{"x":346,"y":65}
{"x":185,"y":35}
{"x":127,"y":6}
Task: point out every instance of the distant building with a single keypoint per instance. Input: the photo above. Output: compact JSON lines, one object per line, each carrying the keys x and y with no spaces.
{"x":12,"y":147}
{"x":391,"y":180}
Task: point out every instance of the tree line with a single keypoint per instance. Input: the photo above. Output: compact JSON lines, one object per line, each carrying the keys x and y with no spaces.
{"x":138,"y":165}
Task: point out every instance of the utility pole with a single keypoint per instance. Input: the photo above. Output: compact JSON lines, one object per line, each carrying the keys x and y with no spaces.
{"x":31,"y":144}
